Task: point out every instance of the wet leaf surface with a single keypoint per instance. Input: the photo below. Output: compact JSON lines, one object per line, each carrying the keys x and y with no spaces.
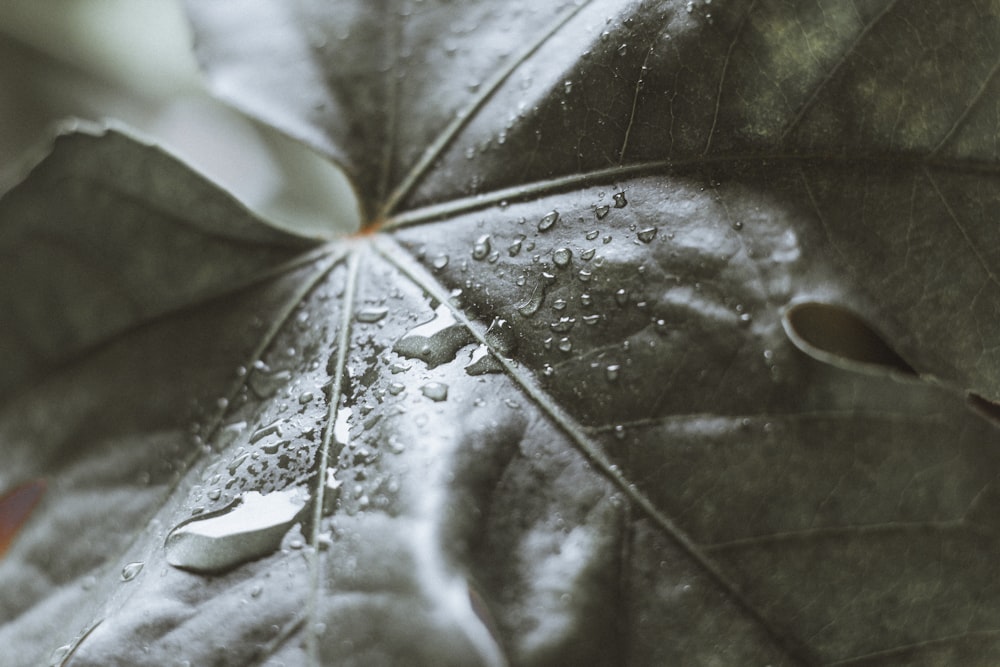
{"x":661,"y":349}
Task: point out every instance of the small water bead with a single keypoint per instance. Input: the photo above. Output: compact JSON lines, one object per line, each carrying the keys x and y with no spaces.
{"x":439,"y":262}
{"x":305,"y":397}
{"x":132,"y":570}
{"x":565,"y":344}
{"x":737,"y":225}
{"x":621,"y":297}
{"x":436,"y":391}
{"x":611,"y":372}
{"x":561,"y":257}
{"x":591,"y":319}
{"x":547,"y":221}
{"x":371,"y":314}
{"x":602,"y":211}
{"x":514,"y":248}
{"x":548,"y":371}
{"x":559,"y":304}
{"x":620,"y":201}
{"x":481,"y":248}
{"x":647,"y":235}
{"x":623,"y":49}
{"x":588,"y":254}
{"x":215,"y":494}
{"x":563,"y":324}
{"x":586,"y":299}
{"x":584,"y":275}
{"x":396,"y":388}
{"x":591,"y":235}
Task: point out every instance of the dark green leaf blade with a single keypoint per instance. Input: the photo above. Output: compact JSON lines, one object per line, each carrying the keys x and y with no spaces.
{"x":107,"y":233}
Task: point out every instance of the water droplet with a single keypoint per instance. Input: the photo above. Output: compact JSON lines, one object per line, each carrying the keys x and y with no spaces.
{"x":607,"y":239}
{"x":305,"y":397}
{"x":621,"y":297}
{"x":611,"y":372}
{"x":439,"y":262}
{"x":534,"y":301}
{"x":514,"y":248}
{"x":435,"y":342}
{"x":561,"y":257}
{"x":396,"y":388}
{"x":481,"y":247}
{"x":250,"y":528}
{"x":559,"y":304}
{"x":214,"y":494}
{"x":371,"y":314}
{"x":342,"y":425}
{"x":546,"y":223}
{"x":266,"y":384}
{"x":59,"y":655}
{"x":563,"y":324}
{"x":565,"y":344}
{"x":593,"y":234}
{"x":568,"y":86}
{"x":584,"y":275}
{"x":737,"y":225}
{"x":436,"y":391}
{"x":483,"y":361}
{"x":585,"y":299}
{"x":602,"y":212}
{"x":623,"y":49}
{"x":746,"y":319}
{"x":620,"y":201}
{"x":591,"y":319}
{"x":648,"y":234}
{"x":274,"y":428}
{"x":132,"y":570}
{"x":548,"y":371}
{"x":256,"y":591}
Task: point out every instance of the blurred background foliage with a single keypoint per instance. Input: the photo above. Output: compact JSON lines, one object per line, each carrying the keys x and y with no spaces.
{"x":130,"y":61}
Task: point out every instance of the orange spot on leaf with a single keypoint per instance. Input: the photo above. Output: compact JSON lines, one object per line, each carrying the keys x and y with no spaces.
{"x":15,"y":508}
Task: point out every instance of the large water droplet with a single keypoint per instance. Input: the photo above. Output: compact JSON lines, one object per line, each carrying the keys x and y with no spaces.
{"x":371,"y":314}
{"x":483,"y":361}
{"x":132,"y":570}
{"x":481,"y":247}
{"x":251,"y":528}
{"x":436,"y":391}
{"x":514,"y":248}
{"x":546,"y":223}
{"x":342,"y":425}
{"x":561,"y":257}
{"x":620,"y":201}
{"x":435,"y":342}
{"x":439,"y":262}
{"x":274,"y":428}
{"x":563,"y":324}
{"x":646,"y":235}
{"x":534,"y":301}
{"x":266,"y":384}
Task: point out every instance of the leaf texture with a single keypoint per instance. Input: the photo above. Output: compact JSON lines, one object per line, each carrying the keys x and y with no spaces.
{"x":557,"y":407}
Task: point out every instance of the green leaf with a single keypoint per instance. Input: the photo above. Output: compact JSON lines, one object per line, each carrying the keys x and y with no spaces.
{"x":673,"y":341}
